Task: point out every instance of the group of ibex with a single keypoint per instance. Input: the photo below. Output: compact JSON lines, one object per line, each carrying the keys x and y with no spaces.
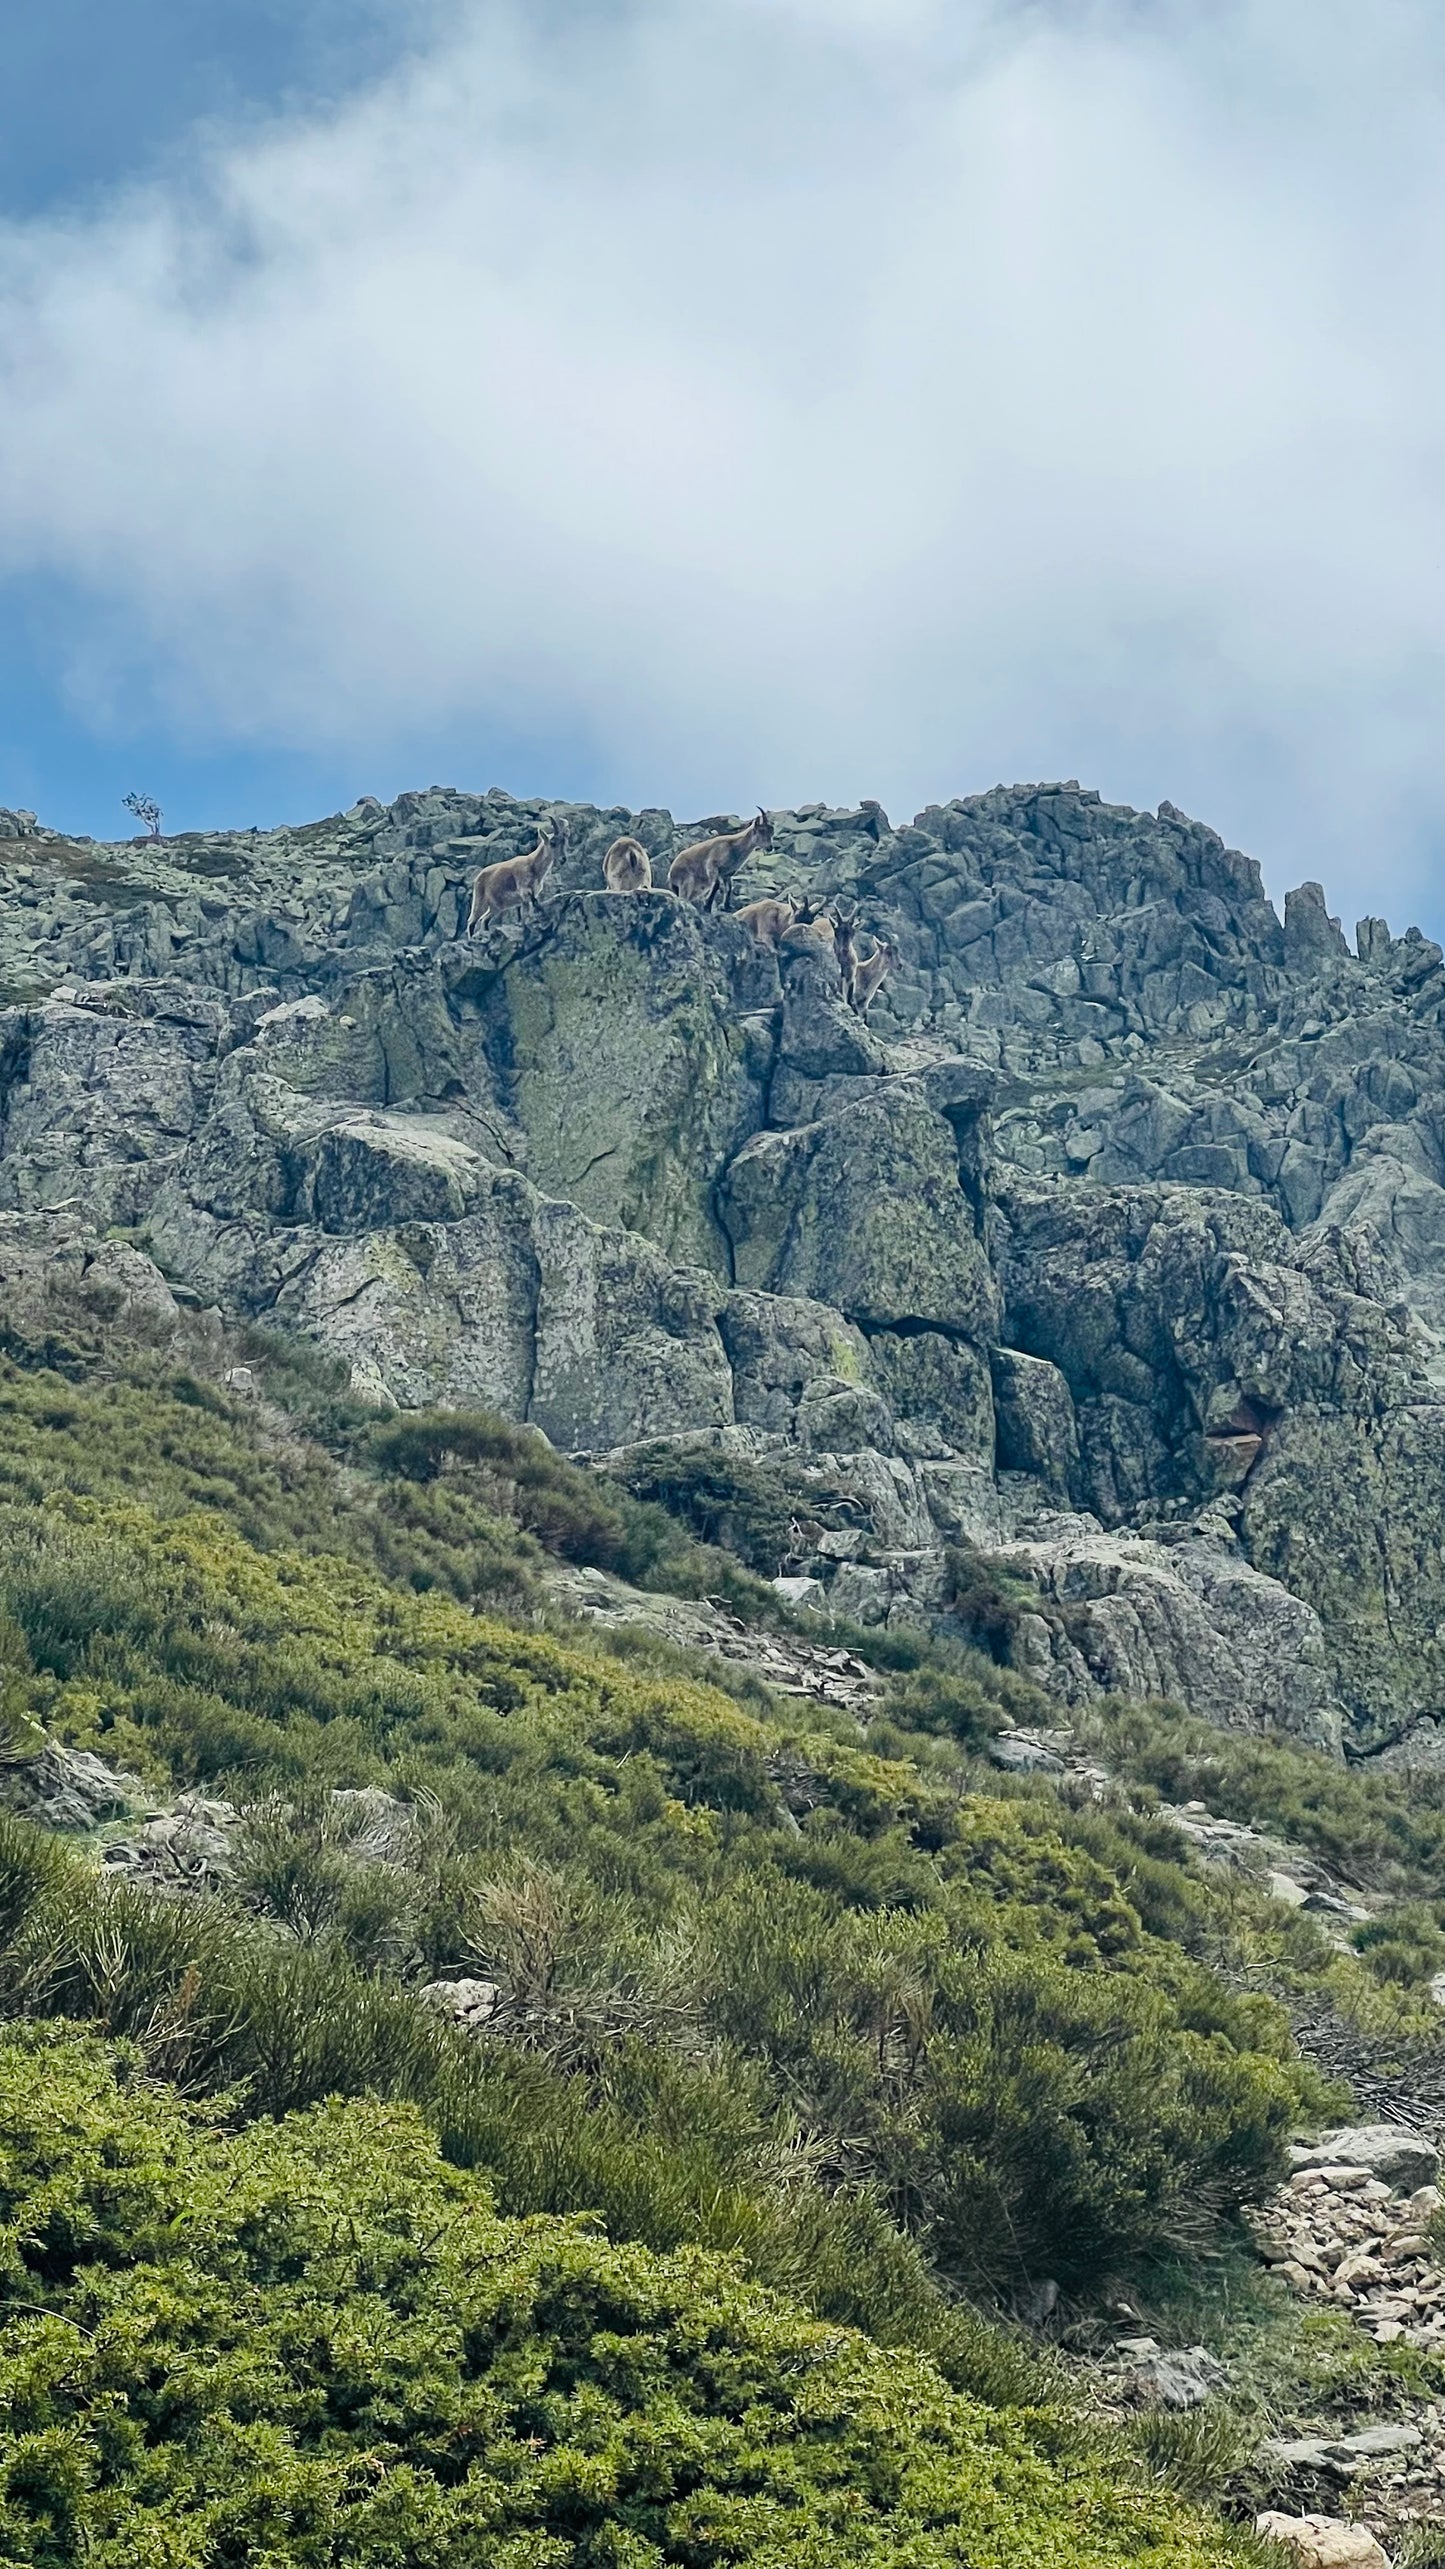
{"x":702,"y":874}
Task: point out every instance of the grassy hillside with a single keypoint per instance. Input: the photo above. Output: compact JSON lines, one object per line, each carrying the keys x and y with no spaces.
{"x":897,"y":2038}
{"x":967,"y":2009}
{"x":314,"y":2341}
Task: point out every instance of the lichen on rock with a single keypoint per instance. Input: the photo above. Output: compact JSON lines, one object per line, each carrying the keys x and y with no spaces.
{"x":1108,"y":1245}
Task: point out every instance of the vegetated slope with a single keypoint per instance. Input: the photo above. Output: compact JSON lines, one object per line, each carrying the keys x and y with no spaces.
{"x":314,"y":2341}
{"x":1042,"y":1333}
{"x":984,"y":2010}
{"x":862,"y":2011}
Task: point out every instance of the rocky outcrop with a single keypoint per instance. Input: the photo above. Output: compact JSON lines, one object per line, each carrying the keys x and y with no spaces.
{"x":865,"y":1209}
{"x":621,"y":1044}
{"x":1109,"y":1249}
{"x":1191,"y":1621}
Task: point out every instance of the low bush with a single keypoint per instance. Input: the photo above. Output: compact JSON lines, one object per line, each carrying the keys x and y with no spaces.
{"x":314,"y":2342}
{"x":1378,"y":1828}
{"x":987,"y":1602}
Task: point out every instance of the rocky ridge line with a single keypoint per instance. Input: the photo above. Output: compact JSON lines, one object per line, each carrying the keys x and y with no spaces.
{"x":1105,"y":1256}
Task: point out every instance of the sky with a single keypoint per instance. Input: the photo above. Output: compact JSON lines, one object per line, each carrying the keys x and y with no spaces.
{"x":713,"y":402}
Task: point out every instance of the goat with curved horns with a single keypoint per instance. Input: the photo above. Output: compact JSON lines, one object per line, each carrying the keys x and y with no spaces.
{"x":627,"y":867}
{"x":517,"y":880}
{"x":704,"y":871}
{"x":813,"y":931}
{"x":869,"y":974}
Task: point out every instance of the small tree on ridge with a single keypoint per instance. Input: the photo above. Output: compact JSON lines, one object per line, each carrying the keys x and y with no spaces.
{"x":146,"y":811}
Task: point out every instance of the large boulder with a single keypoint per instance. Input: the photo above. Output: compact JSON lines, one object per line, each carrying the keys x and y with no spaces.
{"x":1191,"y":1621}
{"x":1037,"y":1431}
{"x":56,"y":1260}
{"x":865,"y":1210}
{"x":1322,"y":2541}
{"x":618,"y":1042}
{"x":784,"y":1351}
{"x":940,"y":1383}
{"x":1396,"y":2157}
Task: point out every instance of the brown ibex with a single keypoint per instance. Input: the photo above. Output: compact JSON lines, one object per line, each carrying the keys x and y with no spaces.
{"x":870,"y":973}
{"x":703,"y":872}
{"x":517,"y":879}
{"x":812,"y":930}
{"x":768,"y":921}
{"x":627,"y":867}
{"x":845,"y":944}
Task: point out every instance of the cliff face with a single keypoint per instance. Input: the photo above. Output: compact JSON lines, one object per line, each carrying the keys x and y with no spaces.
{"x":1110,"y":1246}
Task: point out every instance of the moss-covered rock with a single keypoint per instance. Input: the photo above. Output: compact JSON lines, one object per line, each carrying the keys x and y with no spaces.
{"x":866,"y":1210}
{"x":616,"y":1043}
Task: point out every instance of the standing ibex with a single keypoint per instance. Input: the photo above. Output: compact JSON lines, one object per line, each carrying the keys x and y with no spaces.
{"x":870,"y":973}
{"x":701,"y":873}
{"x":517,"y":879}
{"x":845,"y":944}
{"x":627,"y":867}
{"x":768,"y":920}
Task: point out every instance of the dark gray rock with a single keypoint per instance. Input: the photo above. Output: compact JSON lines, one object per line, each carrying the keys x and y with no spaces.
{"x":1036,"y":1426}
{"x":940,"y":1382}
{"x":1311,"y":936}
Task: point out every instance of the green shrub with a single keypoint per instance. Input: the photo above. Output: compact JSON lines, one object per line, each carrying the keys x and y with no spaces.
{"x":1380,"y":1829}
{"x":314,"y":2342}
{"x":554,"y":1499}
{"x":954,"y":1702}
{"x":986,"y":1602}
{"x":1404,"y":1948}
{"x":746,"y":1508}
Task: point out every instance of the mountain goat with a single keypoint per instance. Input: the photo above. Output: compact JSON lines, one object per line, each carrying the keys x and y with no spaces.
{"x":767,"y":920}
{"x":703,"y":872}
{"x":845,"y":943}
{"x":869,"y":974}
{"x":517,"y":880}
{"x":627,"y":867}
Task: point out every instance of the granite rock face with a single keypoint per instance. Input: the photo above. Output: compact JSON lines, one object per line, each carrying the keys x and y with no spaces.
{"x":1111,"y":1248}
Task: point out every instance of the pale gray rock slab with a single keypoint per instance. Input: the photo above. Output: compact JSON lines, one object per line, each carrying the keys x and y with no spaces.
{"x":1021,"y":1756}
{"x":524,"y":1306}
{"x":94,"y":1097}
{"x":1191,"y":1622}
{"x":1184,"y":2378}
{"x":1398,"y":2158}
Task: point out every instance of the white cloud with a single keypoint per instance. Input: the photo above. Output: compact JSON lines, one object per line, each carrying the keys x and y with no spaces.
{"x":792,"y":398}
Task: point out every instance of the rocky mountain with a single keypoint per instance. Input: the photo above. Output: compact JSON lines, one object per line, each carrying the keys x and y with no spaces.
{"x":1098,"y":1271}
